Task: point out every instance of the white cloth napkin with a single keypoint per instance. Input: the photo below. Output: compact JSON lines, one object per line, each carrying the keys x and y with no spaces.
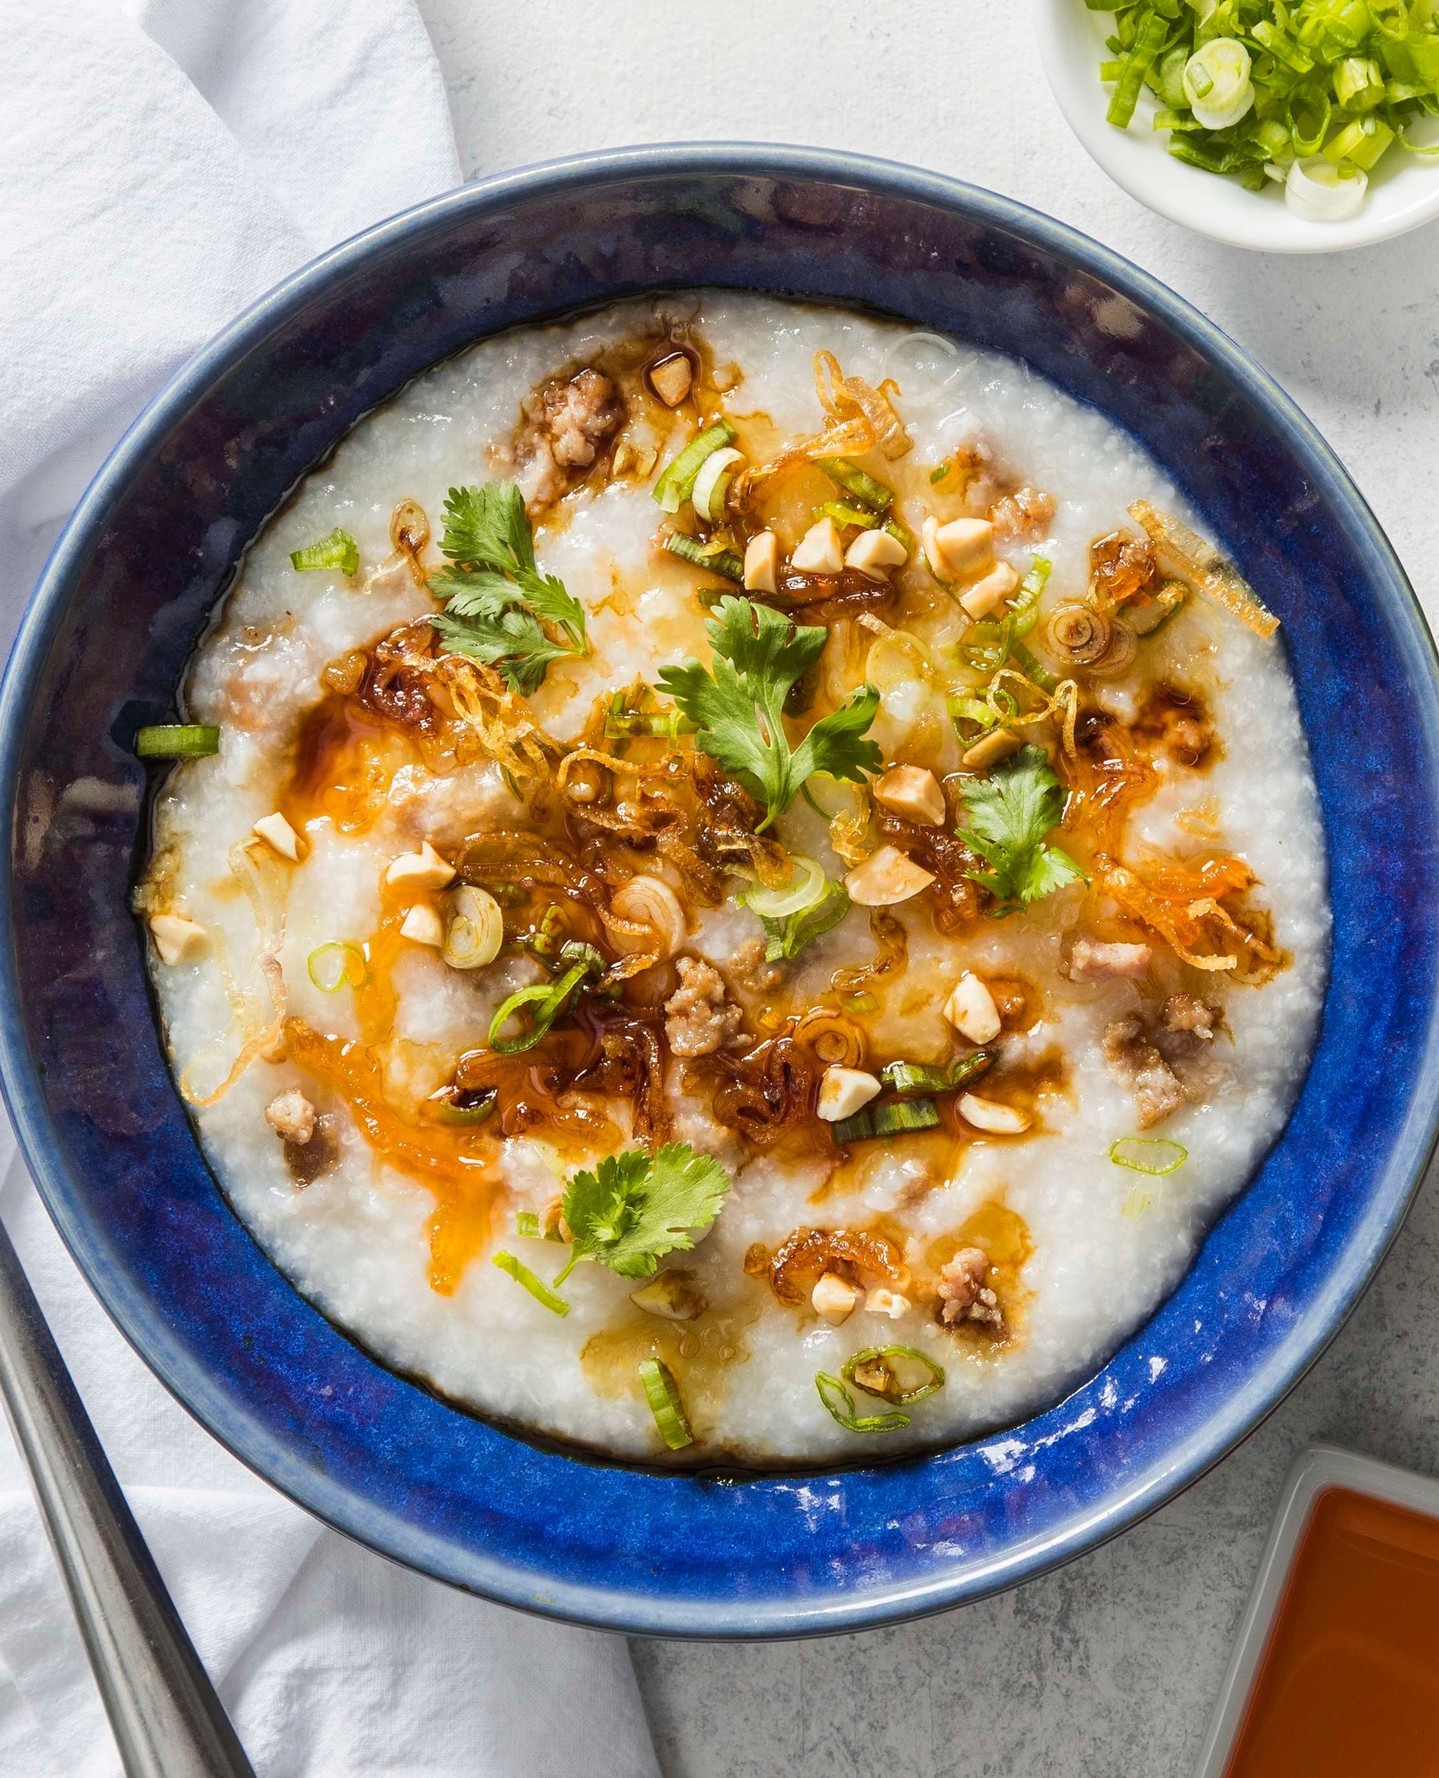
{"x":161,"y":164}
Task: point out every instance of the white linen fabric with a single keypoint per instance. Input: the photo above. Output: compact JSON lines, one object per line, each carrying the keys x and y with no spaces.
{"x":162,"y":163}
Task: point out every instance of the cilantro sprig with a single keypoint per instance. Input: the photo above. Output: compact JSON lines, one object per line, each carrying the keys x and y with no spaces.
{"x":636,"y":1207}
{"x":497,"y":602}
{"x":737,"y":706}
{"x":1010,"y":812}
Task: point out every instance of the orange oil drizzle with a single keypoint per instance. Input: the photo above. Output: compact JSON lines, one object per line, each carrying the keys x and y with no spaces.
{"x":456,"y":1164}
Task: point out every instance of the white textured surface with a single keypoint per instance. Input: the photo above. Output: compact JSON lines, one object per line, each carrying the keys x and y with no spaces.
{"x":1108,"y":1669}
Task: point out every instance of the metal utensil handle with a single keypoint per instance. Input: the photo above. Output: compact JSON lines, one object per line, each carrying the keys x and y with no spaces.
{"x":167,"y":1720}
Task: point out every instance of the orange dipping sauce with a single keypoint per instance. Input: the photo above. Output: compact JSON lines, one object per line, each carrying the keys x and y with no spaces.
{"x":1348,"y":1685}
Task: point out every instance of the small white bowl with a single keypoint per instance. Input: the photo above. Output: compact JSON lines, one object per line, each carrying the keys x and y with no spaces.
{"x":1403,"y":194}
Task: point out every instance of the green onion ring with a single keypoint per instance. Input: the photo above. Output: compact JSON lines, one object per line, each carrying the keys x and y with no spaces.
{"x":337,"y":965}
{"x":1168,"y":1157}
{"x":537,"y":1287}
{"x":840,"y":1403}
{"x":338,"y":550}
{"x":892,"y":1392}
{"x":177,"y":740}
{"x":663,"y":1396}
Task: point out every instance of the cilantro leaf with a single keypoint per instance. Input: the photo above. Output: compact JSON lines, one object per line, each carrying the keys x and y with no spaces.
{"x":489,"y":527}
{"x":1010,"y":812}
{"x":511,"y":640}
{"x":737,"y":706}
{"x":495,"y":597}
{"x":636,"y":1207}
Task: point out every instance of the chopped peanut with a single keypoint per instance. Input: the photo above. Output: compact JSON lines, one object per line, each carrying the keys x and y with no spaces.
{"x":971,"y":1010}
{"x":834,"y":1299}
{"x":991,"y":1115}
{"x":277,"y":833}
{"x":875,"y":552}
{"x":842,"y":1091}
{"x":989,"y":749}
{"x":885,"y":878}
{"x":911,"y":792}
{"x":424,"y":869}
{"x":818,"y":551}
{"x":671,"y":378}
{"x":958,"y":547}
{"x":887,"y":1302}
{"x":177,"y":938}
{"x":761,"y":563}
{"x":423,"y":925}
{"x":992,"y":591}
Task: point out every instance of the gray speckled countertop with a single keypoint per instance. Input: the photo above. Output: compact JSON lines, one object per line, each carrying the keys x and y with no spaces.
{"x":1107,"y":1669}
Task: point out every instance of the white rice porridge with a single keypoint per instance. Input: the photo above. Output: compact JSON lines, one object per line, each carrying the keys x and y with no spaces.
{"x":1159,"y":991}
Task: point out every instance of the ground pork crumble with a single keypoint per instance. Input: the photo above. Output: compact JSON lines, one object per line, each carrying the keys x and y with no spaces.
{"x":699,"y":1016}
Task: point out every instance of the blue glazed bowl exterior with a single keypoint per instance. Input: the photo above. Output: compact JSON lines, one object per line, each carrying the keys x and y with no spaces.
{"x":118,"y":610}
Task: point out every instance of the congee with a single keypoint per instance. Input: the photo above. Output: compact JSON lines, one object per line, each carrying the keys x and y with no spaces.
{"x":740,"y":885}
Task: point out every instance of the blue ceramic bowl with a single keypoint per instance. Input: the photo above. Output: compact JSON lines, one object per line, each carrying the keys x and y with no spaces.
{"x":118,"y":610}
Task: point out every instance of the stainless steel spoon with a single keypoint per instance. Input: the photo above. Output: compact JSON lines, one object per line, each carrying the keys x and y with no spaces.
{"x":167,"y":1720}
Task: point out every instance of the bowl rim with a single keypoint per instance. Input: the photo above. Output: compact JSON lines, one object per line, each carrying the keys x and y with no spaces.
{"x":1217,"y":208}
{"x":398,"y":1538}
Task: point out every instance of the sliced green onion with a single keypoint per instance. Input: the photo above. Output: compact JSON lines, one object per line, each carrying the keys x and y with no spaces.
{"x":859,"y":1003}
{"x":858,"y":1128}
{"x":1024,"y":605}
{"x":1218,"y":83}
{"x":906,"y":1114}
{"x":450,"y":1109}
{"x":1154,"y":1155}
{"x":805,"y":889}
{"x":1136,"y":1202}
{"x":677,"y":481}
{"x":177,"y":740}
{"x":1149,"y":39}
{"x":909,"y":1078}
{"x":904,"y":538}
{"x":1361,"y":142}
{"x":970,"y":1067}
{"x":623,"y":720}
{"x":711,"y":485}
{"x":665,"y":1404}
{"x":847,"y":515}
{"x":338,"y":550}
{"x":785,"y":938}
{"x":1358,"y":83}
{"x":577,"y":951}
{"x":537,"y":1287}
{"x":527,"y":1225}
{"x":690,"y":549}
{"x":338,"y":964}
{"x":967,"y":709}
{"x":853,"y":480}
{"x":914,"y":1077}
{"x":1033,"y":668}
{"x":547,"y":1000}
{"x":475,"y":929}
{"x":938,"y":475}
{"x":840,"y":1404}
{"x":881,"y":1379}
{"x":1281,"y":46}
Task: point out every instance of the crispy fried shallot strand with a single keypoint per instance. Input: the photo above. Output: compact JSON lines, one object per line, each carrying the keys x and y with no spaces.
{"x":857,"y":419}
{"x":499,"y":717}
{"x":1062,"y":704}
{"x":843,"y":397}
{"x":1187,"y":554}
{"x":1183,"y":918}
{"x":262,"y":877}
